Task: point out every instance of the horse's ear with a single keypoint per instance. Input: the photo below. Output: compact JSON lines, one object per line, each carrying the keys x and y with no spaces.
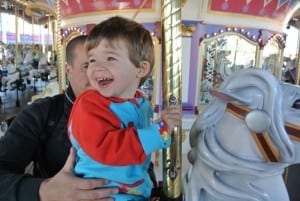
{"x":227,"y":96}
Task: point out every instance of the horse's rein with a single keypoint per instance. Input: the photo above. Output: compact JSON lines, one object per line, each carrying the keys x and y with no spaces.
{"x":263,"y":140}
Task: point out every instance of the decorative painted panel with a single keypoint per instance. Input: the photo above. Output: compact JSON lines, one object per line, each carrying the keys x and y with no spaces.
{"x":76,"y":7}
{"x":274,"y":9}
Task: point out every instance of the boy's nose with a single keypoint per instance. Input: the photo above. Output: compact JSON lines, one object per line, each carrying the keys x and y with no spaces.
{"x":101,"y":65}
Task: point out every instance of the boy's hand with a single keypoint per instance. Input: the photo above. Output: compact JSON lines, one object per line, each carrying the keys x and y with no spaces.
{"x":172,"y":116}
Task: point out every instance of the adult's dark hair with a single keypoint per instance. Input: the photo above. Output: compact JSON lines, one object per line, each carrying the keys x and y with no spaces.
{"x":71,"y":45}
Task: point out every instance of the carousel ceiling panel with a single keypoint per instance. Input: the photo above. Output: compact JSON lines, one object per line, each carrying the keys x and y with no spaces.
{"x":71,"y":8}
{"x":244,"y":11}
{"x":78,"y":12}
{"x":36,"y":11}
{"x":272,"y":9}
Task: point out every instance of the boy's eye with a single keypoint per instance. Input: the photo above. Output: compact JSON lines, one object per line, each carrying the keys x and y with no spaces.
{"x":92,"y":60}
{"x":110,"y":59}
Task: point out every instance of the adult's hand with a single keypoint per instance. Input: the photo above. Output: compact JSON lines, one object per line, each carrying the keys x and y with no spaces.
{"x":65,"y":186}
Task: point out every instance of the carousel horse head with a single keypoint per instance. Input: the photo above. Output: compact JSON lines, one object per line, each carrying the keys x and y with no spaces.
{"x":243,"y":140}
{"x":28,"y":59}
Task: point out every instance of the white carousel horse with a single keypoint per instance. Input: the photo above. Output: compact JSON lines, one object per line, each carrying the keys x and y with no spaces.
{"x":28,"y":59}
{"x":11,"y":77}
{"x":243,"y":140}
{"x":43,"y":61}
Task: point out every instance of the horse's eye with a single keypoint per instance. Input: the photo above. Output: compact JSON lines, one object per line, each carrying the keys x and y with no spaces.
{"x":296,"y":104}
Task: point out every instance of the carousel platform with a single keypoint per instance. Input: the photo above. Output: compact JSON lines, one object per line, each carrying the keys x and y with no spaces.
{"x":13,"y":101}
{"x":11,"y":105}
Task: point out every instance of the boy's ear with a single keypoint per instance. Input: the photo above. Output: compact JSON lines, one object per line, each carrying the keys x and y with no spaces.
{"x":144,"y":69}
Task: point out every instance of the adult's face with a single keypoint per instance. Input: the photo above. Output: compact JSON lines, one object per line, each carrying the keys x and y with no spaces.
{"x":76,"y":70}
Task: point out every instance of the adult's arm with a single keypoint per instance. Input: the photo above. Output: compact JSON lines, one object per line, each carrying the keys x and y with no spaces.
{"x":17,"y":149}
{"x":65,"y":186}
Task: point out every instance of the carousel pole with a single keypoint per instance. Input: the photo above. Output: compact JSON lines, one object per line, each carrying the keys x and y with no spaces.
{"x":18,"y":81}
{"x":1,"y":32}
{"x":298,"y":62}
{"x":48,"y":34}
{"x":23,"y":28}
{"x":17,"y":33}
{"x":32,"y":49}
{"x":60,"y":66}
{"x":32,"y":31}
{"x":171,"y":77}
{"x":53,"y":27}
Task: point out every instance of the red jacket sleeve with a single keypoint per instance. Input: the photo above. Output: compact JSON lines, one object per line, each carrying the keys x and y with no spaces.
{"x":98,"y":131}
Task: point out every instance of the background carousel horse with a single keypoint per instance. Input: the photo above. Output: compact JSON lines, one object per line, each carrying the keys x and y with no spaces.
{"x":243,"y":140}
{"x":13,"y":74}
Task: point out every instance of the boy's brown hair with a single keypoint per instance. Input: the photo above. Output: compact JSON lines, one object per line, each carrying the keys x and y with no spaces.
{"x":138,"y":39}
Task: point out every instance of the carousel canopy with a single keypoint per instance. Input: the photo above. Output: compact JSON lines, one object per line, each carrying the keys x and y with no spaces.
{"x":272,"y":14}
{"x":34,"y":11}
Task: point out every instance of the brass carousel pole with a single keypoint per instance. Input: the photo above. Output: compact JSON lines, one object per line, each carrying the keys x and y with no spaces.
{"x":16,"y":53}
{"x":171,"y":70}
{"x":48,"y":33}
{"x":17,"y":33}
{"x":298,"y":62}
{"x":23,"y":28}
{"x":60,"y":66}
{"x":32,"y":31}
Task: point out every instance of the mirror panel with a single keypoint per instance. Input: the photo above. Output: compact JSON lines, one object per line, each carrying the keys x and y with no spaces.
{"x":272,"y":58}
{"x":221,"y":56}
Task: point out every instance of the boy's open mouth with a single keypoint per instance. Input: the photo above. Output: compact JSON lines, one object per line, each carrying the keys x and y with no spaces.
{"x":104,"y":81}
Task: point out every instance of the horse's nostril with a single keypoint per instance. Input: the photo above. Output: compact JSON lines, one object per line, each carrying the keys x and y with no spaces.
{"x":296,"y":104}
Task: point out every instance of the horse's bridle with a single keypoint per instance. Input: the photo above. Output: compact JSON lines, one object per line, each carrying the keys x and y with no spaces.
{"x":262,"y":140}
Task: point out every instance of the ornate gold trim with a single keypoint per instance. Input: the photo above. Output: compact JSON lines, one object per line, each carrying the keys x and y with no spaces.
{"x":188,"y":30}
{"x":39,"y":6}
{"x":70,"y":36}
